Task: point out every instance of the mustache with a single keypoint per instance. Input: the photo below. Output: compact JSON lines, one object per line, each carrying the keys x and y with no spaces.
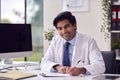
{"x":66,"y":33}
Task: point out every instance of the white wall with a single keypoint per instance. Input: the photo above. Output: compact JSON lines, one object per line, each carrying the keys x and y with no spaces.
{"x":117,"y":2}
{"x":88,"y":22}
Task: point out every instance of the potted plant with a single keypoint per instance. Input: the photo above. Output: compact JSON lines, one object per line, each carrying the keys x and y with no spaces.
{"x":49,"y":34}
{"x":105,"y":27}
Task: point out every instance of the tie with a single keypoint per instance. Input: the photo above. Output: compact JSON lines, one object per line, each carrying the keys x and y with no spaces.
{"x":66,"y":60}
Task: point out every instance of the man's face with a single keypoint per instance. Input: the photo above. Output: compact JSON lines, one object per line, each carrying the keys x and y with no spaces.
{"x":66,"y":30}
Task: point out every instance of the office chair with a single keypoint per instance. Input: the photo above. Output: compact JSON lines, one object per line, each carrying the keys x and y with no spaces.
{"x":109,"y":59}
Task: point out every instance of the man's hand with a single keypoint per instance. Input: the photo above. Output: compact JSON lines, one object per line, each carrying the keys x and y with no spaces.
{"x":62,"y":69}
{"x":74,"y":71}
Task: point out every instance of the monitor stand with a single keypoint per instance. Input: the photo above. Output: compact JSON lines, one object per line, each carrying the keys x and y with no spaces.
{"x":5,"y":61}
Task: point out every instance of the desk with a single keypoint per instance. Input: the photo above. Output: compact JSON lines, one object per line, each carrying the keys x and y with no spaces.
{"x":87,"y":77}
{"x":35,"y":70}
{"x":39,"y":77}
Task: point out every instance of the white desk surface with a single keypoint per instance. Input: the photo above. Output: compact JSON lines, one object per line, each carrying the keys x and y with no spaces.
{"x":86,"y":77}
{"x":39,"y":77}
{"x":35,"y":70}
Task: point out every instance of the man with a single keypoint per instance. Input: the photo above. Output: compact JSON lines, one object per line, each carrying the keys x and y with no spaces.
{"x":83,"y":55}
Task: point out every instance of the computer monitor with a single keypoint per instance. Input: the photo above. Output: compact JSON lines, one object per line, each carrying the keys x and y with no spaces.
{"x":15,"y":40}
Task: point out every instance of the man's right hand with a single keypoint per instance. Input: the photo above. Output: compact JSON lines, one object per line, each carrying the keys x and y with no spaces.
{"x":61,"y":69}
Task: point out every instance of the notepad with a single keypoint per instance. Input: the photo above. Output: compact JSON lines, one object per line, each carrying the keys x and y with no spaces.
{"x":52,"y":74}
{"x":16,"y":74}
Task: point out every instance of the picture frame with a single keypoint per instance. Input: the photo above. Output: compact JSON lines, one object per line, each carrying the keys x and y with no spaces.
{"x":115,"y":0}
{"x":76,"y":5}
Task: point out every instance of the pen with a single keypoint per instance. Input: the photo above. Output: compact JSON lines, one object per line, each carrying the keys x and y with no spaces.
{"x":78,"y":62}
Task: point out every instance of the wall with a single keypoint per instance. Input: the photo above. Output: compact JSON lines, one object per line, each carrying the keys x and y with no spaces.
{"x":88,"y":22}
{"x":116,"y":2}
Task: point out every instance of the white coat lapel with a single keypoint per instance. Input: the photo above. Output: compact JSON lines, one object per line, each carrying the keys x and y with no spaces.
{"x":60,"y":51}
{"x":77,"y":51}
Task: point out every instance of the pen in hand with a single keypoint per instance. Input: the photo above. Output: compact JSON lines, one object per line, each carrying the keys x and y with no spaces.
{"x":78,"y":62}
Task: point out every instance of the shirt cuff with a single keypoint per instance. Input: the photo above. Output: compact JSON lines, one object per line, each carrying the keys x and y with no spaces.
{"x":87,"y":73}
{"x":53,"y":70}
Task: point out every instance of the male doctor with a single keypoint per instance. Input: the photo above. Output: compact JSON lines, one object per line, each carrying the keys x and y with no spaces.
{"x":82,"y":55}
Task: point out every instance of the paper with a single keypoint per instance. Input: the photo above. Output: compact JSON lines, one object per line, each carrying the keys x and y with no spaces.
{"x":52,"y":74}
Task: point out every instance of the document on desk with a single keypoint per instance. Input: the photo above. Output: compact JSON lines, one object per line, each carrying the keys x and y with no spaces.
{"x":16,"y":75}
{"x":52,"y":74}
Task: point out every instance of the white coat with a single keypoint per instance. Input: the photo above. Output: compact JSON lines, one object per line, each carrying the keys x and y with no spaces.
{"x":85,"y":54}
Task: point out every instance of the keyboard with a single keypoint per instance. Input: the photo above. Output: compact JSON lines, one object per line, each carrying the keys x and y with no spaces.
{"x":18,"y":64}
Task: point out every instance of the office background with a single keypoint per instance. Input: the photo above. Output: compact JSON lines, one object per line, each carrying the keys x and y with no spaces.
{"x":89,"y":22}
{"x":40,"y":13}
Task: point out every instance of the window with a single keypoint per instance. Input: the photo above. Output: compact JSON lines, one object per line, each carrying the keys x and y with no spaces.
{"x":12,"y":13}
{"x":26,"y":11}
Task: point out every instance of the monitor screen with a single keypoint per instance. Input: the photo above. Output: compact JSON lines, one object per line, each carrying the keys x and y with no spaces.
{"x":15,"y":40}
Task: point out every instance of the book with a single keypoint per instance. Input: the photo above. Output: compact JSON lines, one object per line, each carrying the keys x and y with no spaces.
{"x":17,"y":74}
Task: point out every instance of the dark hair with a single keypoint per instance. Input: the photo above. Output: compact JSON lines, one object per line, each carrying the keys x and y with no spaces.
{"x":64,"y":15}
